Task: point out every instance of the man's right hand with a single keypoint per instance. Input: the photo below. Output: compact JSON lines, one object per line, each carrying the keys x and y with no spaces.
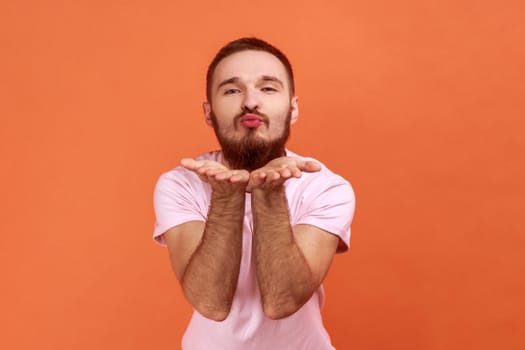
{"x":222,"y":180}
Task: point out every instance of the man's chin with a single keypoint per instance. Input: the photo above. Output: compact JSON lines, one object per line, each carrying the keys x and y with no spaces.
{"x":253,"y":149}
{"x":257,"y":140}
{"x":251,"y":152}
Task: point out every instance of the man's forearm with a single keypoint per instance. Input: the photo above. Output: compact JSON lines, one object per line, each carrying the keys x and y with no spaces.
{"x":285,"y":279}
{"x":210,"y":278}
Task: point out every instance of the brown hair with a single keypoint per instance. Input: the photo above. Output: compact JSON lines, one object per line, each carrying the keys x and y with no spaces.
{"x":244,"y":44}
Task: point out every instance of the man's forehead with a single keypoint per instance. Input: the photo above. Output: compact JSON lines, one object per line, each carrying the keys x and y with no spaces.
{"x":249,"y":65}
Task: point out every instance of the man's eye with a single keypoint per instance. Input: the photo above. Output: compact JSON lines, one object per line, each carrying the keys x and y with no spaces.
{"x":231,"y":91}
{"x":269,"y":89}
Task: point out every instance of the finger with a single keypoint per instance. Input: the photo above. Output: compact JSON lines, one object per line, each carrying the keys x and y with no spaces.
{"x":272,"y":175}
{"x":309,"y":166}
{"x":258,"y":176}
{"x":256,"y":180}
{"x":197,"y":166}
{"x":212,"y":171}
{"x":209,"y":167}
{"x":285,"y":172}
{"x":188,"y":163}
{"x":238,"y":179}
{"x":294,"y":170}
{"x":203,"y":171}
{"x":224,"y":175}
{"x":242,"y":176}
{"x":273,"y":181}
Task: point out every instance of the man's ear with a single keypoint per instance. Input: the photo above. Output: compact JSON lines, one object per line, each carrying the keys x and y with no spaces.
{"x":206,"y":108}
{"x":294,"y":108}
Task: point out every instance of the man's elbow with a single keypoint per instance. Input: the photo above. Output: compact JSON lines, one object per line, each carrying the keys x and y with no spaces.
{"x":216,"y":309}
{"x":281,"y":310}
{"x":282,"y":305}
{"x":211,"y":309}
{"x":214,"y":314}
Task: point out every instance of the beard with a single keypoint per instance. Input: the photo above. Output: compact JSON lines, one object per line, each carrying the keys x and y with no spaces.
{"x":250,"y":152}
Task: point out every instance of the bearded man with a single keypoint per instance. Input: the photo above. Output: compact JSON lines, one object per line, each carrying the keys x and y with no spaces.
{"x":251,"y":229}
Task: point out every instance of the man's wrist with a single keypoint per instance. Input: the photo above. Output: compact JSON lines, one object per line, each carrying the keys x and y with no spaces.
{"x":270,"y":193}
{"x":228,"y":196}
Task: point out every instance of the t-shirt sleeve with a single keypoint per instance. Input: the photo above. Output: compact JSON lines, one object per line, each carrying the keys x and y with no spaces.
{"x":329,"y":203}
{"x":176,"y":202}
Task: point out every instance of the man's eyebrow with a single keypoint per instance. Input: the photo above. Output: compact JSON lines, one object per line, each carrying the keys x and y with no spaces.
{"x":228,"y":81}
{"x":234,"y":80}
{"x":272,"y":78}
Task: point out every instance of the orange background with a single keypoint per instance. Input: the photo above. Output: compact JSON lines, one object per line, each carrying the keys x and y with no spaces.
{"x":419,"y":104}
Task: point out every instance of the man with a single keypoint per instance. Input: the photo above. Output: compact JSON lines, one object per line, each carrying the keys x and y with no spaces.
{"x":251,"y":229}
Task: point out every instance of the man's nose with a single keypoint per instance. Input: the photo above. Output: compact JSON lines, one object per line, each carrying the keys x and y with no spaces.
{"x":250,"y":101}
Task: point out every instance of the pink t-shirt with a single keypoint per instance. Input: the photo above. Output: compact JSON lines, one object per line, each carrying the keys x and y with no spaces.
{"x":322,"y":199}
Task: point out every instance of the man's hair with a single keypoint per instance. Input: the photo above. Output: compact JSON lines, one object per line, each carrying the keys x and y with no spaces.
{"x":244,"y":44}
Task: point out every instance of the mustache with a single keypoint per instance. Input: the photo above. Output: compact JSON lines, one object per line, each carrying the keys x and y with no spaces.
{"x":245,"y":111}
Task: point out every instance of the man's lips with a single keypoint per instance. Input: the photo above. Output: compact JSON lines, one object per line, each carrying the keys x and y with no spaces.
{"x":251,"y":120}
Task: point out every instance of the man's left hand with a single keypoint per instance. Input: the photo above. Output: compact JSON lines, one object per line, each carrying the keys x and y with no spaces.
{"x":276,"y":172}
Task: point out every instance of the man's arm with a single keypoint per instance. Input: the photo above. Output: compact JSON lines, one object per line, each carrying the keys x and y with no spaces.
{"x":206,"y":256}
{"x":291,"y":263}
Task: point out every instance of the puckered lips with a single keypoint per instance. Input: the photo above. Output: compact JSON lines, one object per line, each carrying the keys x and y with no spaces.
{"x":251,"y":121}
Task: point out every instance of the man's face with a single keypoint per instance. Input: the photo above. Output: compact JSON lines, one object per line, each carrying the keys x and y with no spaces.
{"x":251,"y":108}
